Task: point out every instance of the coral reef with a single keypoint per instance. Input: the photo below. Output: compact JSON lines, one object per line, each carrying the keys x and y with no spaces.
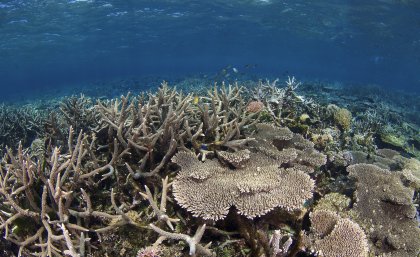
{"x":333,"y":236}
{"x":255,"y":106}
{"x":22,"y":124}
{"x":385,"y":209}
{"x":342,"y":117}
{"x":208,"y":190}
{"x":242,"y":169}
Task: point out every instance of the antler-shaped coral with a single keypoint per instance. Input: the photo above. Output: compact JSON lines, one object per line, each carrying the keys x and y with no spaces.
{"x":193,"y":242}
{"x":160,"y":212}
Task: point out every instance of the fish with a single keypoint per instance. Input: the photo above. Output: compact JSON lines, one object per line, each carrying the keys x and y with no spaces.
{"x":250,"y":66}
{"x":196,"y":100}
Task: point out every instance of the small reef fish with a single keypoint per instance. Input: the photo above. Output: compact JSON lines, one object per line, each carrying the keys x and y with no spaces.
{"x":196,"y":100}
{"x":250,"y":66}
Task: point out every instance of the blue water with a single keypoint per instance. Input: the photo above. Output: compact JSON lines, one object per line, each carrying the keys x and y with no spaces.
{"x":50,"y":44}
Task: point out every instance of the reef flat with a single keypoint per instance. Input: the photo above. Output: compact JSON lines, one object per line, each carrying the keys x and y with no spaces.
{"x":251,"y":168}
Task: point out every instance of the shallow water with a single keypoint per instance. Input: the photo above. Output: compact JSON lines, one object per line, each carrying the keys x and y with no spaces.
{"x":285,"y":127}
{"x":50,"y":44}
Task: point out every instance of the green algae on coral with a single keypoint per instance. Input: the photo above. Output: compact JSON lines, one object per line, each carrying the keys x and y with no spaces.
{"x":343,"y":118}
{"x":393,"y":140}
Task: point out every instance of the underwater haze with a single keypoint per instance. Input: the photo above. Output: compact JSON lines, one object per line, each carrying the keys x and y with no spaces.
{"x":45,"y":45}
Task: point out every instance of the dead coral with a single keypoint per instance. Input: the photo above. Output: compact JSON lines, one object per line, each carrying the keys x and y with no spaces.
{"x":208,"y":190}
{"x":384,"y":208}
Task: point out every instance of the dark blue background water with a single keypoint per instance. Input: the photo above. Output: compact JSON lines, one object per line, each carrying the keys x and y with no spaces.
{"x":49,"y":44}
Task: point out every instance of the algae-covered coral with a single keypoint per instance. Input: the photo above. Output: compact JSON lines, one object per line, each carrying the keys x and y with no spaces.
{"x":227,"y":170}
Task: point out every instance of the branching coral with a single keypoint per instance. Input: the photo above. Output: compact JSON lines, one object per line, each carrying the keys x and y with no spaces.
{"x":193,"y":242}
{"x":55,"y":183}
{"x":151,"y":129}
{"x":160,"y":212}
{"x":78,"y":112}
{"x":282,"y":104}
{"x":72,"y":192}
{"x":22,"y":124}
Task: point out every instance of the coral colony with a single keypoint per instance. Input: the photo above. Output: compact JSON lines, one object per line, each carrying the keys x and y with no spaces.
{"x":228,"y":170}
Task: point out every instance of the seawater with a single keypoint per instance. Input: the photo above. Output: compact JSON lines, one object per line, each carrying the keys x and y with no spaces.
{"x":55,"y":46}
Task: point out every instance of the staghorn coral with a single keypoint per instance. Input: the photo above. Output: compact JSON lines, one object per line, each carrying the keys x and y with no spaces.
{"x":20,"y":124}
{"x":193,"y":242}
{"x":136,"y":137}
{"x":151,"y":128}
{"x":333,"y":236}
{"x":221,"y":119}
{"x":160,"y":212}
{"x":43,"y":210}
{"x":277,"y":248}
{"x":208,"y":190}
{"x":385,"y":210}
{"x":78,"y":112}
{"x":282,"y":104}
{"x":146,"y":128}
